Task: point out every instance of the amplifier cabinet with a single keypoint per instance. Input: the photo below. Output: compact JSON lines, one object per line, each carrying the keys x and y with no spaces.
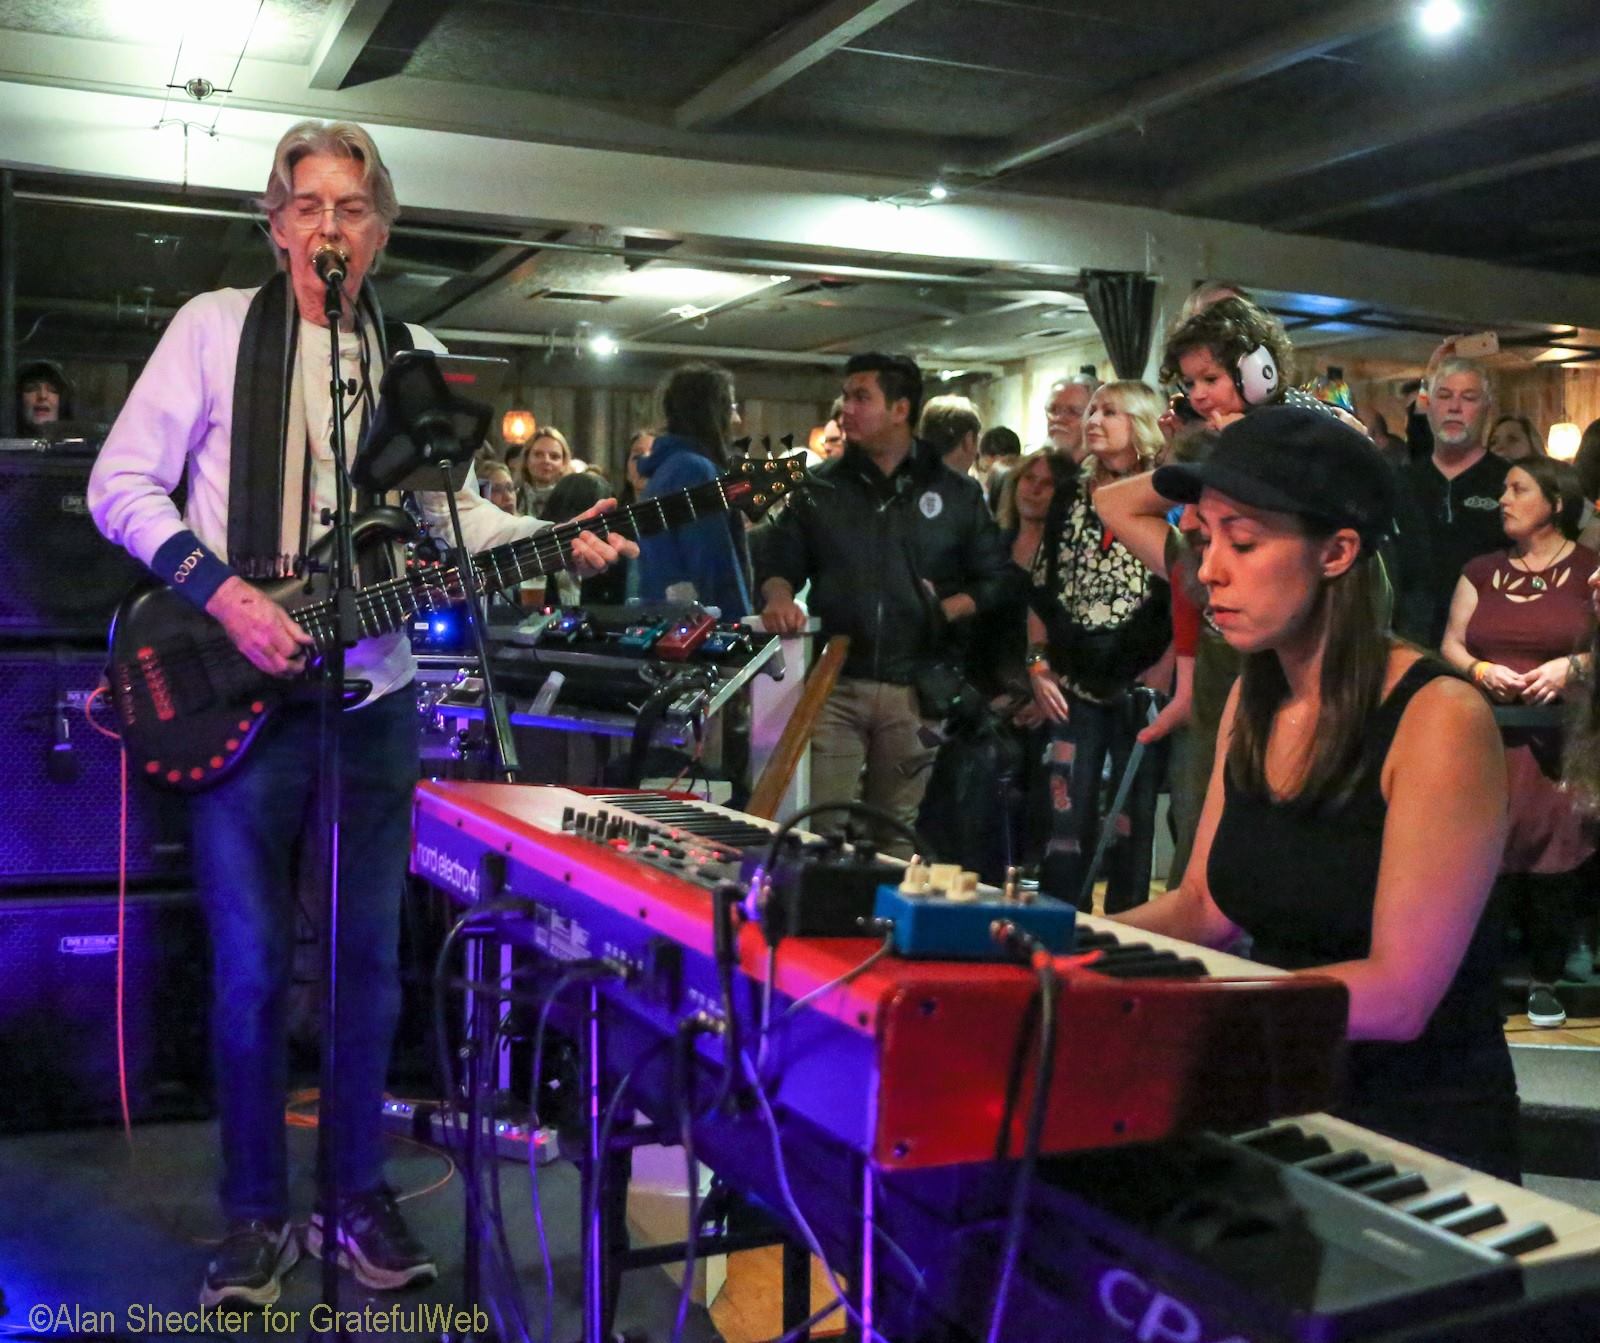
{"x":58,"y":1008}
{"x":59,"y":808}
{"x":59,"y":578}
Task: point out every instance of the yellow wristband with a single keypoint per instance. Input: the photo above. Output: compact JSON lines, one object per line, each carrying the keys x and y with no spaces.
{"x":1474,"y":669}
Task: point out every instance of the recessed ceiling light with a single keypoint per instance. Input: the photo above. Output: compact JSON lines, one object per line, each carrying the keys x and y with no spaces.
{"x":603,"y":345}
{"x":938,"y":191}
{"x":1438,"y":18}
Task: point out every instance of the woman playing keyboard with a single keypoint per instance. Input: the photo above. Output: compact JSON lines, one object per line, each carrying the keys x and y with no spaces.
{"x":1357,"y":806}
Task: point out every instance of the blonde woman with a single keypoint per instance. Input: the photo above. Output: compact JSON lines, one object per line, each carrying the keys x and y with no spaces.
{"x":1098,"y":619}
{"x":546,"y":459}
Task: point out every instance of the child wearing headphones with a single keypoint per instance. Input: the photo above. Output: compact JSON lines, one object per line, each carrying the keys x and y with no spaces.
{"x":1230,"y":357}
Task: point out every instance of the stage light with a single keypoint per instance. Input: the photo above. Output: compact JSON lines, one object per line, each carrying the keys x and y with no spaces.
{"x":1439,"y":18}
{"x":517,"y":427}
{"x":603,"y":345}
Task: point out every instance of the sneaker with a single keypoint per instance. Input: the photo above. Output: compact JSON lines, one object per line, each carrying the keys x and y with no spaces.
{"x":1544,"y":1008}
{"x":375,"y":1243}
{"x":249,"y":1265}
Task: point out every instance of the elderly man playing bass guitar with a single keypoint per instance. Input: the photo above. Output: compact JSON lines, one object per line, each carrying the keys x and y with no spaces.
{"x":236,"y":400}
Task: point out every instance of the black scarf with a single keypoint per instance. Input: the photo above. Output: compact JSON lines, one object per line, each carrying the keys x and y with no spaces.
{"x":263,"y":377}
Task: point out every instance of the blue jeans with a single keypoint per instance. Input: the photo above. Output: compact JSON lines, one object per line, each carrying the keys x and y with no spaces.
{"x":1078,"y":752}
{"x":248,"y":831}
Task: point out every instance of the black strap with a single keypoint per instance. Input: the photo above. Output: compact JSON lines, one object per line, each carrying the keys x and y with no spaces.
{"x":263,"y":373}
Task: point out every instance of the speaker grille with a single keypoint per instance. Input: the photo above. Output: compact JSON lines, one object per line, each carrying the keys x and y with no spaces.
{"x":58,"y":1008}
{"x":59,"y":808}
{"x":59,"y":578}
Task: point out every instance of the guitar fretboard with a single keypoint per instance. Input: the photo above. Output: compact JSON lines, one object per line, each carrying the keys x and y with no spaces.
{"x":385,"y":607}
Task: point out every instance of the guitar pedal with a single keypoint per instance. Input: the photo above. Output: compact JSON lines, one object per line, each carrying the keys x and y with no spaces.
{"x":641,"y":638}
{"x":684,"y":636}
{"x":569,"y":627}
{"x":726,"y":641}
{"x":529,"y":632}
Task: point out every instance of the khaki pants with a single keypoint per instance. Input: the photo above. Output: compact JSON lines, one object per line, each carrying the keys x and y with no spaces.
{"x":870,"y":726}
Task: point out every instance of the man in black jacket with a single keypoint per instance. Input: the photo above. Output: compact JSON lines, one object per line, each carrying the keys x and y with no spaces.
{"x":900,"y":552}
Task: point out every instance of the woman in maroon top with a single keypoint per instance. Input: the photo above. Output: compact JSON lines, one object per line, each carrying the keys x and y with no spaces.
{"x":1520,"y":628}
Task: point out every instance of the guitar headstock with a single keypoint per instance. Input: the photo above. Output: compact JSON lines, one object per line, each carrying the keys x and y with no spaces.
{"x":754,"y":484}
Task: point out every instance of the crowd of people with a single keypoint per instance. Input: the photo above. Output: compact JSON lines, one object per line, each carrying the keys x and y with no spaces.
{"x":1310,"y":624}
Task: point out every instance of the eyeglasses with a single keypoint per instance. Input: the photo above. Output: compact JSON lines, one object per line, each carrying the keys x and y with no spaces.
{"x":307,"y":214}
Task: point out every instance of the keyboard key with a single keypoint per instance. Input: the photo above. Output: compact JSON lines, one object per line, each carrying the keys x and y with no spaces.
{"x":1522,"y":1239}
{"x":1396,"y":1187}
{"x":1478,"y":1217}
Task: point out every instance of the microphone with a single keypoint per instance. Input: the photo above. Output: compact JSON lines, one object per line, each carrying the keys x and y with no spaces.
{"x":332,"y":264}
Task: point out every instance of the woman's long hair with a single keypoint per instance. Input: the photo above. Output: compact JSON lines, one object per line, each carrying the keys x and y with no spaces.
{"x":697,"y":403}
{"x":1355,"y":659}
{"x":1061,"y":477}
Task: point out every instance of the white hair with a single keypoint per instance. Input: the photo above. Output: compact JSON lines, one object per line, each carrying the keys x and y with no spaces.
{"x":340,"y":139}
{"x":1087,"y":381}
{"x":1455,"y":364}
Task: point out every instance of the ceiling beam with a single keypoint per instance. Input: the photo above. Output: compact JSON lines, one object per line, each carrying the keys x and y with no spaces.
{"x":773,"y":288}
{"x":1320,"y":32}
{"x":995,"y":280}
{"x":555,"y":341}
{"x":461,"y":288}
{"x":1555,"y":251}
{"x":345,"y":34}
{"x":1292,"y":153}
{"x":1441,"y":186}
{"x":783,"y":56}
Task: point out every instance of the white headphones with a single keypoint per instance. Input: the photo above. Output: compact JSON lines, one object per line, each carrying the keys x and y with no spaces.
{"x":1256,"y":376}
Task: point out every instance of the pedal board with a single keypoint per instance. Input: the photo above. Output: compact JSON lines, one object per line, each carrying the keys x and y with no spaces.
{"x":427,"y":1122}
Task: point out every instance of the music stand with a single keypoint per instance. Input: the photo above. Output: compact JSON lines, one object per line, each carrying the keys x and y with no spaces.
{"x":423,"y":437}
{"x":423,"y":425}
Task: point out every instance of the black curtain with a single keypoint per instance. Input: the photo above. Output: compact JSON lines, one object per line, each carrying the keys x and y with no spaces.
{"x":1123,"y":305}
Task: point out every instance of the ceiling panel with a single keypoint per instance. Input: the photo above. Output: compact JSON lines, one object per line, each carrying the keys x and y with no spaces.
{"x":876,"y":94}
{"x":626,"y":52}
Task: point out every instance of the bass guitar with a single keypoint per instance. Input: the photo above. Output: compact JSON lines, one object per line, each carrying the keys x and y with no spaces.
{"x":190,"y":704}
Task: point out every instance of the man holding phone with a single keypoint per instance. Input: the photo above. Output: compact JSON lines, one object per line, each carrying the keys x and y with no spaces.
{"x":1458,"y":486}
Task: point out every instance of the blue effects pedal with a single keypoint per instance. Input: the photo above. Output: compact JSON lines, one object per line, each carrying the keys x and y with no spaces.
{"x":941,"y":913}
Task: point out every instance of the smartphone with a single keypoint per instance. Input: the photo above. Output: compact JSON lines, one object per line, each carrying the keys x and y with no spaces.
{"x":1479,"y":346}
{"x":1181,"y":406}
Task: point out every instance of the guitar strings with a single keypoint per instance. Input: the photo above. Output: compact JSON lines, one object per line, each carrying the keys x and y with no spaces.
{"x":395,"y":600}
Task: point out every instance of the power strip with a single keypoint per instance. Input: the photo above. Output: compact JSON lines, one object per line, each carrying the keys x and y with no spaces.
{"x":426,"y":1122}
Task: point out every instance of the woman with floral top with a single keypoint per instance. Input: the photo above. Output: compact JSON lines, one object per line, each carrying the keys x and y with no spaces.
{"x":1099,"y":619}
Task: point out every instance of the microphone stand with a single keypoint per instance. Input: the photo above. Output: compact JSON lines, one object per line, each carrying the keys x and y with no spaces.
{"x":497,"y":716}
{"x":347,"y":633}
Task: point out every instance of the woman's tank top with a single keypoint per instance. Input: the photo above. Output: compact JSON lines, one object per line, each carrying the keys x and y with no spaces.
{"x":1303,"y":884}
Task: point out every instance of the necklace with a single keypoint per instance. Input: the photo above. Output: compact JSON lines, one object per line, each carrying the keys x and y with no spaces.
{"x":1536,"y":576}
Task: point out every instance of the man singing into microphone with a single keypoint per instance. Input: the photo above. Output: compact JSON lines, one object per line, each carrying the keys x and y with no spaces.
{"x":237,"y":401}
